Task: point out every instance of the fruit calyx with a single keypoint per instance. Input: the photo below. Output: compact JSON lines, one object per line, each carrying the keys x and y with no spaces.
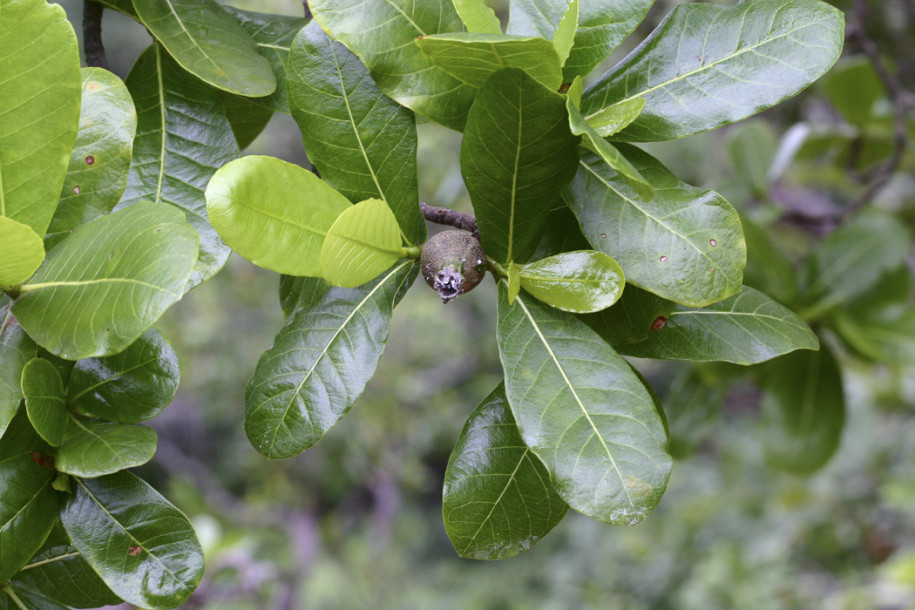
{"x":452,"y":263}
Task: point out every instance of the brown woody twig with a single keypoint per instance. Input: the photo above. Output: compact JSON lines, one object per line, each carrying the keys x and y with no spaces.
{"x":92,"y":35}
{"x":453,"y":218}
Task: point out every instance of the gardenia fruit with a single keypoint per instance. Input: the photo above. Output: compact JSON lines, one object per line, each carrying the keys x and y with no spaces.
{"x":452,"y":263}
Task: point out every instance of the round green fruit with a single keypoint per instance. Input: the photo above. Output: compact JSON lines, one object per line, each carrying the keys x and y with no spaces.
{"x":452,"y":263}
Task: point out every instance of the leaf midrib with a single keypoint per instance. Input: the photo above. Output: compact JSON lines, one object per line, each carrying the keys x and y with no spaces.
{"x":578,"y":401}
{"x":327,"y":346}
{"x":713,"y":64}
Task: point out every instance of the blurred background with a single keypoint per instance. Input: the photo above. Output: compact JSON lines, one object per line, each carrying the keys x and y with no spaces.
{"x":356,"y":521}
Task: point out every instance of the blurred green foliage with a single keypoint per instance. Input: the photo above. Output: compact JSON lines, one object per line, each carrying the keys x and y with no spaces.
{"x":355,"y":521}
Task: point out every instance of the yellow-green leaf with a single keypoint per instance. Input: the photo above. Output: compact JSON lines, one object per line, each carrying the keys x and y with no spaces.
{"x":363,"y":242}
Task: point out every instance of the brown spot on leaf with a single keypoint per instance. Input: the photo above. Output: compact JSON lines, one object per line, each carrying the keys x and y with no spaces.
{"x":658,"y":323}
{"x":90,"y":160}
{"x":664,"y":259}
{"x":135,"y":550}
{"x":45,"y":461}
{"x":76,"y":189}
{"x":713,"y":242}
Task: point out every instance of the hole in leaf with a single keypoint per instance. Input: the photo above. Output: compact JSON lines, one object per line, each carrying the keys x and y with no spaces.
{"x":713,"y":242}
{"x":664,"y":259}
{"x":76,"y":189}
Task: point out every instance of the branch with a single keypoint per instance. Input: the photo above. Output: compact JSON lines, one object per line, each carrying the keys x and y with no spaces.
{"x":453,"y":218}
{"x":899,"y":98}
{"x":307,"y":9}
{"x":92,"y":35}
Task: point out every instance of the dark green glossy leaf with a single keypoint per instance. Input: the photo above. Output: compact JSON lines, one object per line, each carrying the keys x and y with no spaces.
{"x":21,"y":252}
{"x":497,"y":498}
{"x":144,"y":548}
{"x":362,"y":142}
{"x":21,"y":438}
{"x":685,"y":245}
{"x":362,"y":243}
{"x":103,"y":286}
{"x":562,"y":234}
{"x":128,"y":387}
{"x":516,"y":156}
{"x":632,"y":318}
{"x":747,"y":328}
{"x":602,"y":26}
{"x":611,"y":155}
{"x":851,"y":261}
{"x":184,"y":137}
{"x":122,"y":6}
{"x":708,"y":65}
{"x":583,"y":412}
{"x":97,"y":175}
{"x":247,"y":118}
{"x":40,"y":74}
{"x":209,"y":43}
{"x":16,"y":349}
{"x":803,"y":410}
{"x":273,"y":213}
{"x":584,"y":281}
{"x":320,"y":362}
{"x":59,"y":573}
{"x":473,"y":57}
{"x":43,"y":391}
{"x":28,"y":510}
{"x":477,"y":16}
{"x":12,"y":598}
{"x":381,"y":34}
{"x":93,"y":448}
{"x":273,"y":35}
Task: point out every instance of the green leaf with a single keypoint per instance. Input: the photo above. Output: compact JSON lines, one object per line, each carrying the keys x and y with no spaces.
{"x":273,"y":213}
{"x":473,"y":57}
{"x":40,"y":74}
{"x":246,"y":117}
{"x":854,"y":87}
{"x":692,"y":406}
{"x":583,"y":412}
{"x":752,"y":149}
{"x":709,"y":65}
{"x":28,"y":510}
{"x":602,"y":26}
{"x":184,"y":137}
{"x":122,"y":6}
{"x":565,"y":32}
{"x":632,"y":318}
{"x":209,"y":43}
{"x":581,"y":282}
{"x":362,"y":142}
{"x":320,"y":362}
{"x":59,"y":573}
{"x":21,"y":252}
{"x":747,"y":328}
{"x":516,"y":156}
{"x":514,"y":282}
{"x":888,"y":337}
{"x":477,"y":16}
{"x":768,"y":269}
{"x":381,"y":34}
{"x":609,"y":153}
{"x":562,"y":234}
{"x":144,"y":548}
{"x":21,"y":438}
{"x":851,"y":260}
{"x":614,"y":118}
{"x":497,"y":499}
{"x":362,"y":243}
{"x":43,"y":391}
{"x":103,"y":286}
{"x":272,"y":35}
{"x":803,"y":411}
{"x":97,"y":175}
{"x":16,"y":349}
{"x":14,"y":599}
{"x":685,"y":245}
{"x":128,"y":387}
{"x":93,"y":448}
